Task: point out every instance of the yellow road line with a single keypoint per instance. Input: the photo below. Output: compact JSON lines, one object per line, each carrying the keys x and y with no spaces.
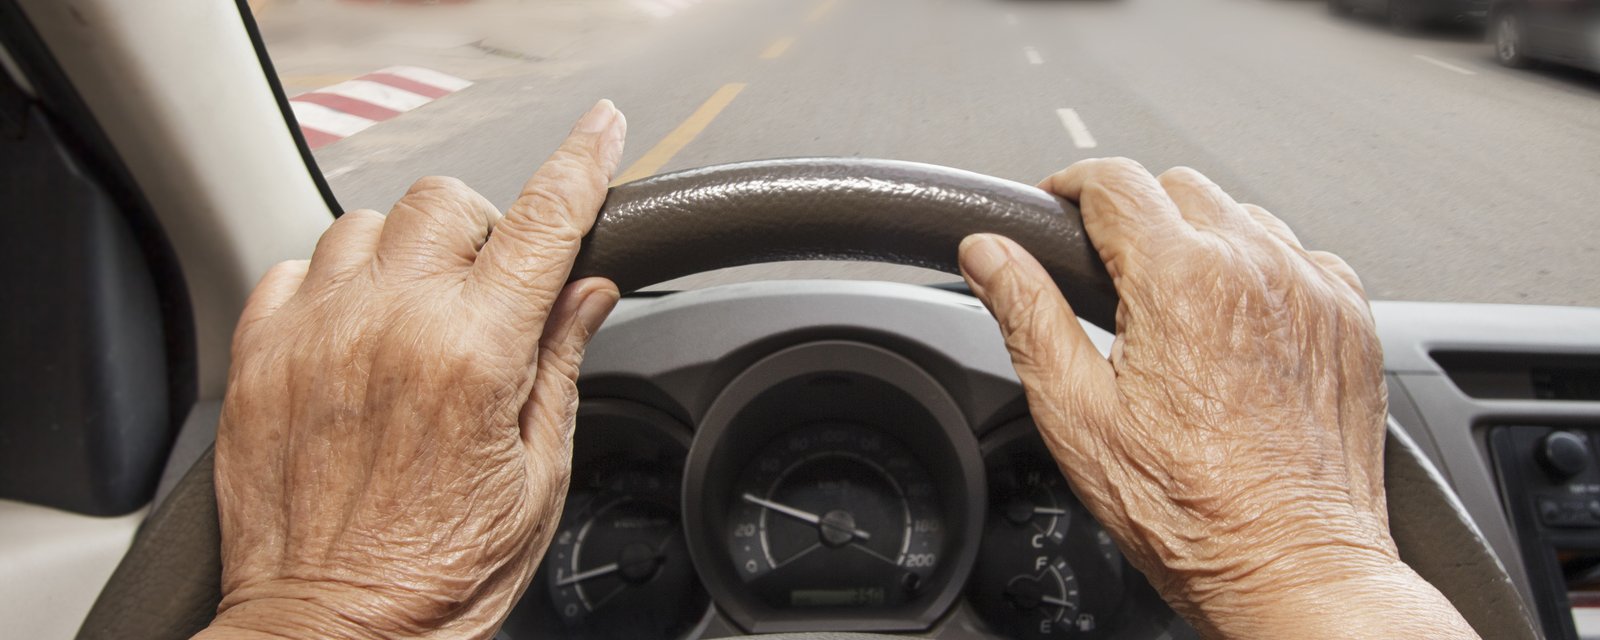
{"x":822,"y":10}
{"x":777,"y":48}
{"x":680,"y":137}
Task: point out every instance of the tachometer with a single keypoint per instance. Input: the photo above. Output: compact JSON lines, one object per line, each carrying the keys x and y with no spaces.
{"x":835,"y":515}
{"x":620,"y":552}
{"x":618,"y":566}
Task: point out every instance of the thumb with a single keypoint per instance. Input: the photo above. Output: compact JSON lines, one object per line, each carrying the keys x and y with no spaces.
{"x":551,"y":412}
{"x":1066,"y":379}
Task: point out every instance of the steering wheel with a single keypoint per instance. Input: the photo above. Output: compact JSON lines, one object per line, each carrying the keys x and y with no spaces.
{"x":661,"y":228}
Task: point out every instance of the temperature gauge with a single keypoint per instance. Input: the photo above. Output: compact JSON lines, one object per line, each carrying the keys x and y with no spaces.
{"x":1046,"y":568}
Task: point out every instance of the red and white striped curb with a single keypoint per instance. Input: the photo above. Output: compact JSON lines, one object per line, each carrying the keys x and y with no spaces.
{"x":664,"y":8}
{"x":330,"y":114}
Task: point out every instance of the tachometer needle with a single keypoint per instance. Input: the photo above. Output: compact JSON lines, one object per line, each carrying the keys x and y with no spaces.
{"x":1049,"y":511}
{"x":585,"y":575}
{"x":803,"y":516}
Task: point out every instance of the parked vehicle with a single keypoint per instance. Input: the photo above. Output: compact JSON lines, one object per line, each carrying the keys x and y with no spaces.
{"x":1409,"y":15}
{"x":1560,"y":31}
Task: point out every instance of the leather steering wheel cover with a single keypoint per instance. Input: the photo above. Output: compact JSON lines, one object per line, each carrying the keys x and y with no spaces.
{"x":168,"y":584}
{"x":694,"y":221}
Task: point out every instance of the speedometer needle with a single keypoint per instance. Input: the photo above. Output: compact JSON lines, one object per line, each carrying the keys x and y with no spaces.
{"x":585,"y":575}
{"x":803,"y":516}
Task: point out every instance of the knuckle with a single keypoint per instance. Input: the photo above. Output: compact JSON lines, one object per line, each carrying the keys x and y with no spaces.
{"x":1120,"y":166}
{"x":545,"y":211}
{"x":577,"y":160}
{"x":287,"y":268}
{"x":355,"y":225}
{"x":1183,"y":175}
{"x":359,"y":217}
{"x":565,"y":358}
{"x":557,"y":197}
{"x":439,"y":184}
{"x":1328,"y":258}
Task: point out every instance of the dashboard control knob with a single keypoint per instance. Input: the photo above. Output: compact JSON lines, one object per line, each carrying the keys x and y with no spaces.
{"x":1564,"y":454}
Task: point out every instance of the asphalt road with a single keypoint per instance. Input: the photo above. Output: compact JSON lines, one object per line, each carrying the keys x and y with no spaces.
{"x":1436,"y":173}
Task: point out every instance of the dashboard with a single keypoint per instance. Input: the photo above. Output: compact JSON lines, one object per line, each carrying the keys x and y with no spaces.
{"x":871,"y":405}
{"x":731,"y":477}
{"x":854,"y":456}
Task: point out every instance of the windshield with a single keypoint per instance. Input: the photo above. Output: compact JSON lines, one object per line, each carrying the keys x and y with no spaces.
{"x":1448,"y":152}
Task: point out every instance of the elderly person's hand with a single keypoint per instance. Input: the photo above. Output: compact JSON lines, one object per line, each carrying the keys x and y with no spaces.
{"x":1233,"y":442}
{"x":395,"y":441}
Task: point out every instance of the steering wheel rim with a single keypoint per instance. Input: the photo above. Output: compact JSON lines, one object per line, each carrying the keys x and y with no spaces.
{"x":673,"y":225}
{"x":907,"y":213}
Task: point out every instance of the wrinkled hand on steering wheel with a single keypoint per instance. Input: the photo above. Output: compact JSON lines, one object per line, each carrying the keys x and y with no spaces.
{"x":396,"y":436}
{"x":395,"y":441}
{"x":1233,"y":442}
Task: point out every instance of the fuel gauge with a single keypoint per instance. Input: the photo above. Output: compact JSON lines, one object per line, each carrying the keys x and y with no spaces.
{"x":1046,"y":569}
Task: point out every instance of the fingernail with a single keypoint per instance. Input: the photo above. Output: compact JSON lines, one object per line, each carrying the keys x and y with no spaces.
{"x":982,"y":255}
{"x":611,"y":145}
{"x":594,"y":309}
{"x":598,"y":118}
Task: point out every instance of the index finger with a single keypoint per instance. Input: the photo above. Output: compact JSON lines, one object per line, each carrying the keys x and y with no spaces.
{"x":530,"y":253}
{"x":1125,"y":210}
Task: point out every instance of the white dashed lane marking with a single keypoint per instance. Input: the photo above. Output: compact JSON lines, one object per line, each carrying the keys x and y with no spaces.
{"x":1445,"y":65}
{"x":1075,"y":127}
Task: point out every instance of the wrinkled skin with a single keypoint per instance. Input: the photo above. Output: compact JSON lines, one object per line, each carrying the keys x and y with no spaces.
{"x":395,"y":441}
{"x":1233,"y":442}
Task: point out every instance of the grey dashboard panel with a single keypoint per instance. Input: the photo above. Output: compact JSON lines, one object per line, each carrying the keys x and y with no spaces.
{"x":679,"y":352}
{"x":685,"y":346}
{"x":1453,"y":424}
{"x":1411,"y":331}
{"x":689,"y":344}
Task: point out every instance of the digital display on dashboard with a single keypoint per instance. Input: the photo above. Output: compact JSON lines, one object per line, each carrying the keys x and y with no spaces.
{"x":850,"y":597}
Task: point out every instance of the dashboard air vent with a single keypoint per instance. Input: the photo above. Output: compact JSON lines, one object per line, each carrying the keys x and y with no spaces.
{"x":1522,"y":376}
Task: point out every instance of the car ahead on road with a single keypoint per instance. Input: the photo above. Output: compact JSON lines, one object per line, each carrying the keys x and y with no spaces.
{"x":153,"y":177}
{"x":1416,"y":14}
{"x":1560,"y":31}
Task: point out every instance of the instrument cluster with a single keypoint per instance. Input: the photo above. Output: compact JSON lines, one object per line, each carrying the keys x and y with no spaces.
{"x":831,"y":486}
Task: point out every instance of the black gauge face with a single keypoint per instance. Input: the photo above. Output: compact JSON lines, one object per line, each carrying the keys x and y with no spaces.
{"x":618,"y":565}
{"x":620,"y":553}
{"x":1046,"y":569}
{"x":835,"y":516}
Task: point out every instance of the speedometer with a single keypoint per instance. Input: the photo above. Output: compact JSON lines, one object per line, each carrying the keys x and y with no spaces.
{"x":833,"y":486}
{"x":835,"y":515}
